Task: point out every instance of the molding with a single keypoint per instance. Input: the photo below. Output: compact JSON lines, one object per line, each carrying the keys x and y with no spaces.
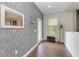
{"x":26,"y":54}
{"x":69,"y":51}
{"x":38,"y":8}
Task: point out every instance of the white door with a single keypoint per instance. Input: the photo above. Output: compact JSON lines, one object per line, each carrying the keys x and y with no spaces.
{"x":39,"y":26}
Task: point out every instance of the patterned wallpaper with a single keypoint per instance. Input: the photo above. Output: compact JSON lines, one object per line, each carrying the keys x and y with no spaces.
{"x":16,"y":42}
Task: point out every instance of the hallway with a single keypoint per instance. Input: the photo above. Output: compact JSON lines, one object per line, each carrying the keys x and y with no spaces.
{"x":50,"y":49}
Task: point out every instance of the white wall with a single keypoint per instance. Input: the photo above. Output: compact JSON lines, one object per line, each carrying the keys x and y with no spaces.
{"x":72,"y":43}
{"x":65,"y":17}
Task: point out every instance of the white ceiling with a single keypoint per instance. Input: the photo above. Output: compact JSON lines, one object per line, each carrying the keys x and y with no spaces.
{"x":55,"y":6}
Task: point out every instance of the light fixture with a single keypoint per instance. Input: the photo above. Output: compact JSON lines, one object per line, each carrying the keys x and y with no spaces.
{"x":49,"y":6}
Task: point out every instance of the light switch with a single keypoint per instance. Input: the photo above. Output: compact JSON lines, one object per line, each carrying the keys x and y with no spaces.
{"x":34,"y":30}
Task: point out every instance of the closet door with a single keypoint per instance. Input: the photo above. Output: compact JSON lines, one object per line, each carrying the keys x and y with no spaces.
{"x":77,"y":23}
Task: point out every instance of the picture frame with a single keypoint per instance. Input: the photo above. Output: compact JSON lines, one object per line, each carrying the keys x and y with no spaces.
{"x":11,"y":18}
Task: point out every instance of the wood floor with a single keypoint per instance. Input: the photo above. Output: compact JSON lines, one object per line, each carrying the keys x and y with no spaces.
{"x":50,"y":49}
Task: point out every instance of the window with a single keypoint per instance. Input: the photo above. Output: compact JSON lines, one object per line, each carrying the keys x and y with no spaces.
{"x":52,"y":26}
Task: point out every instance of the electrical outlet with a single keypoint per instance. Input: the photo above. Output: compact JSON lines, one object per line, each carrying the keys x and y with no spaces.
{"x":16,"y":52}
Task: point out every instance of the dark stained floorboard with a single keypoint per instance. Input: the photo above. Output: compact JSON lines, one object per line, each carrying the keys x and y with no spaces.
{"x":50,"y":49}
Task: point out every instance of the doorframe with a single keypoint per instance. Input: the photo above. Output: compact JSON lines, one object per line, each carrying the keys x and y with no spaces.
{"x":38,"y":31}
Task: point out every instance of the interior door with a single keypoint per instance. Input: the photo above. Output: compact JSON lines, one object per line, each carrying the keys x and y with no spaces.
{"x":77,"y":21}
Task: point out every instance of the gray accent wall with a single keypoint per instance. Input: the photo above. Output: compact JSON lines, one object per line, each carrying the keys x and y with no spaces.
{"x":16,"y":42}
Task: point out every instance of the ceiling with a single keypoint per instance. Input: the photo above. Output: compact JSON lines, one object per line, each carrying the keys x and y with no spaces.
{"x":55,"y":6}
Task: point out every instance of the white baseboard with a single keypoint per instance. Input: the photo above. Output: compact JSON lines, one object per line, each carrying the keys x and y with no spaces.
{"x":25,"y":55}
{"x":69,"y":50}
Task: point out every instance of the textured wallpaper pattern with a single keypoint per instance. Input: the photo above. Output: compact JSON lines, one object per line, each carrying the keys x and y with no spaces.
{"x":16,"y":42}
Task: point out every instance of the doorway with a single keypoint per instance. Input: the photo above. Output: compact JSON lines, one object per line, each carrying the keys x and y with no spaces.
{"x":39,"y":28}
{"x":77,"y":21}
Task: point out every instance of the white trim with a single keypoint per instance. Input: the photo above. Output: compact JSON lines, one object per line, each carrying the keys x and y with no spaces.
{"x":39,"y":29}
{"x":3,"y":7}
{"x":25,"y":55}
{"x":69,"y":50}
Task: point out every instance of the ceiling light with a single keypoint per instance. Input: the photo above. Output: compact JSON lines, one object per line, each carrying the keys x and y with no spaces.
{"x":49,"y":6}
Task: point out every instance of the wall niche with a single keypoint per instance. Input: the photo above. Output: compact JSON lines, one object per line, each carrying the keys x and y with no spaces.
{"x":11,"y":18}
